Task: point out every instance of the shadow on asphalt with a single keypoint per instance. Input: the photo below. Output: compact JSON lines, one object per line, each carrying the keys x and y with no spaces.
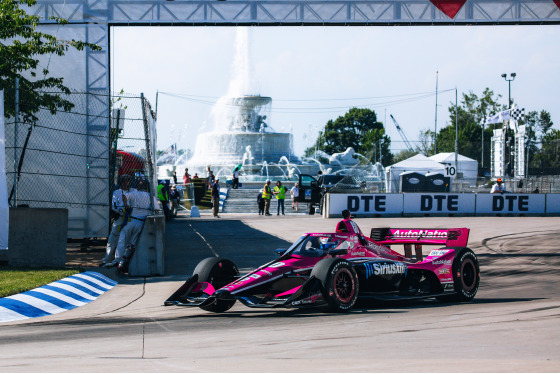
{"x":190,"y":241}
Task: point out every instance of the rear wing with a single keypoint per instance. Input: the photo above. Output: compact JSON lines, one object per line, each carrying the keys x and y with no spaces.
{"x":448,"y":237}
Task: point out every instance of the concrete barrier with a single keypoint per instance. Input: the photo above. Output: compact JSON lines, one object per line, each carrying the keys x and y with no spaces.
{"x":149,"y":254}
{"x":37,"y":237}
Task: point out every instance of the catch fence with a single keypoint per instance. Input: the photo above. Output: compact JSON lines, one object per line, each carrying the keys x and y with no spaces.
{"x":72,"y":159}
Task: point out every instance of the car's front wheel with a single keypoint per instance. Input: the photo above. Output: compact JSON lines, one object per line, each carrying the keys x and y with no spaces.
{"x":218,"y":272}
{"x":340,"y":283}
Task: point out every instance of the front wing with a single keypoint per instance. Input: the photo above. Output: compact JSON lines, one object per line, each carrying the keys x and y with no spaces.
{"x":194,"y":293}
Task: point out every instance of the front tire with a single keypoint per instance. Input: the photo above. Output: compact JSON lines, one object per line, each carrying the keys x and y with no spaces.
{"x":218,"y":272}
{"x":340,"y":283}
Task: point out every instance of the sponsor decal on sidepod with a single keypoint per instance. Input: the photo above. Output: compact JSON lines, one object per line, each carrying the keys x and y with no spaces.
{"x":384,"y":268}
{"x":438,"y":252}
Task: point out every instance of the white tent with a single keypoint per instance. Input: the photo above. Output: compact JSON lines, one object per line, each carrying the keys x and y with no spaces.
{"x":4,"y":209}
{"x":467,"y":166}
{"x":419,"y":163}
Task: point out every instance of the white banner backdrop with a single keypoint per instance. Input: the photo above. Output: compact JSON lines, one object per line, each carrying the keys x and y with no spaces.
{"x":510,"y":203}
{"x":434,"y":203}
{"x":4,"y":209}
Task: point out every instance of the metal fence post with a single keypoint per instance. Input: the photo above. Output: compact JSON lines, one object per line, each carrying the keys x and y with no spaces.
{"x":193,"y":201}
{"x":16,"y":120}
{"x":148,"y":150}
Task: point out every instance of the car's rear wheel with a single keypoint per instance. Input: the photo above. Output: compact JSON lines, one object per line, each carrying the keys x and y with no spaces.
{"x":218,"y":272}
{"x":340,"y":283}
{"x":466,"y":276}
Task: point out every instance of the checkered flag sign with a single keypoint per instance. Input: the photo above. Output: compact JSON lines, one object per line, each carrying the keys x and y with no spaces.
{"x":518,"y":114}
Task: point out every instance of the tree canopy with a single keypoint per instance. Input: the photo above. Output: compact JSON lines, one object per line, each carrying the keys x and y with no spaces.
{"x":470,"y":113}
{"x":21,"y":45}
{"x":358,"y":129}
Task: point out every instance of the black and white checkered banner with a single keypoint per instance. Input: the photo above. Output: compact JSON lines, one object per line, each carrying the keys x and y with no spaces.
{"x":515,"y":113}
{"x":518,"y":114}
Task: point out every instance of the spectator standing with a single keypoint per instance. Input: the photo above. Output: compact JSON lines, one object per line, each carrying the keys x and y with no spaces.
{"x":498,"y":187}
{"x":280,"y":193}
{"x":267,"y":195}
{"x":195,"y":176}
{"x":163,"y":198}
{"x":186,"y":177}
{"x":260,"y":202}
{"x":175,"y":198}
{"x":295,"y":194}
{"x":174,"y":177}
{"x":211,"y":179}
{"x":216,"y":197}
{"x":118,"y":207}
{"x":141,"y":206}
{"x":235,"y":179}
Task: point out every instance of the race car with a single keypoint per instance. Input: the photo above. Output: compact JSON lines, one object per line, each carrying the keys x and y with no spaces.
{"x":333,"y":270}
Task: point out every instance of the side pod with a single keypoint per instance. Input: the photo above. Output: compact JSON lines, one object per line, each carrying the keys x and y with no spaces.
{"x":179,"y":295}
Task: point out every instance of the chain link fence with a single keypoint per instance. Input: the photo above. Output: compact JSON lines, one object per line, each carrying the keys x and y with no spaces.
{"x":532,"y":184}
{"x":72,"y":159}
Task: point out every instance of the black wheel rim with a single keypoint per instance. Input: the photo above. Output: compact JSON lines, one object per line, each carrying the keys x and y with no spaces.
{"x":344,"y":286}
{"x":468,"y":275}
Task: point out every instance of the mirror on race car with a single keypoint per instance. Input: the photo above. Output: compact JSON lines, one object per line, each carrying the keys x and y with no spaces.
{"x":338,"y":251}
{"x":280,"y":251}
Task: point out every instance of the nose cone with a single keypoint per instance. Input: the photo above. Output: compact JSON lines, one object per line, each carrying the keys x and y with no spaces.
{"x":223,"y":295}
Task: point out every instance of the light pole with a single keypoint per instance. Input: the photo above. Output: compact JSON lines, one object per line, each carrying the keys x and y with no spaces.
{"x":512,"y":75}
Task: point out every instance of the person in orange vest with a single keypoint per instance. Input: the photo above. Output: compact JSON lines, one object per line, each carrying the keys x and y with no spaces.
{"x":267,"y":195}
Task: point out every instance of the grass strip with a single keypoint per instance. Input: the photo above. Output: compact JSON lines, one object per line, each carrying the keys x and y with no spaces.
{"x":15,"y":280}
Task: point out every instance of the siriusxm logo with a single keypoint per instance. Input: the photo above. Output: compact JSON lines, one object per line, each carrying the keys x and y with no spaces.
{"x":384,"y":268}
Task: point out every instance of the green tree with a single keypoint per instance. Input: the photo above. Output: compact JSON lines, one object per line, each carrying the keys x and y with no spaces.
{"x":425,"y":143}
{"x":472,"y":110}
{"x":20,"y":47}
{"x":358,"y":129}
{"x":540,"y":132}
{"x":403,"y":155}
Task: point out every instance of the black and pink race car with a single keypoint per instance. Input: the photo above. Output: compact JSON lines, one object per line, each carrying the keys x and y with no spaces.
{"x":333,"y":270}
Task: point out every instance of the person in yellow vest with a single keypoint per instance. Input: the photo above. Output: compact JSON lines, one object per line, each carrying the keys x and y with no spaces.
{"x":267,"y":195}
{"x":280,"y":193}
{"x":163,"y":197}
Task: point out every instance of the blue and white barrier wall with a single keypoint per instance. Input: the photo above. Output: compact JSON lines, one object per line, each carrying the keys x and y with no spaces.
{"x":443,"y":204}
{"x":56,"y":297}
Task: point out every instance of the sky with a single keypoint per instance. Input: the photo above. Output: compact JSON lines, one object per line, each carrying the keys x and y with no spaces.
{"x":314,"y":74}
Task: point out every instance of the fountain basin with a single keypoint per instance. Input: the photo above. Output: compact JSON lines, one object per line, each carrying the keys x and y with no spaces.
{"x":229,"y":148}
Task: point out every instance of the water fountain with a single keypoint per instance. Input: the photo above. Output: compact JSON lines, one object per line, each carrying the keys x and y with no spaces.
{"x":242,"y":135}
{"x":246,"y":131}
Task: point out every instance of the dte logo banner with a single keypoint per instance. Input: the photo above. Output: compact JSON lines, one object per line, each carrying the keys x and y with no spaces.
{"x":418,"y":203}
{"x":369,"y":203}
{"x":510,"y":203}
{"x":366,"y":203}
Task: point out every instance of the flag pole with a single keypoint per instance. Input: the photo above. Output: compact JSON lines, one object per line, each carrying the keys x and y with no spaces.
{"x":435,"y":126}
{"x":456,"y":135}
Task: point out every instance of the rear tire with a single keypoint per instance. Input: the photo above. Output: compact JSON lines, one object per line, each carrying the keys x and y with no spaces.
{"x":218,"y":272}
{"x":340,"y":282}
{"x":466,"y":276}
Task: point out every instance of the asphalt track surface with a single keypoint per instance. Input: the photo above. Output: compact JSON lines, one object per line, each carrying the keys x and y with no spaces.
{"x":511,"y":326}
